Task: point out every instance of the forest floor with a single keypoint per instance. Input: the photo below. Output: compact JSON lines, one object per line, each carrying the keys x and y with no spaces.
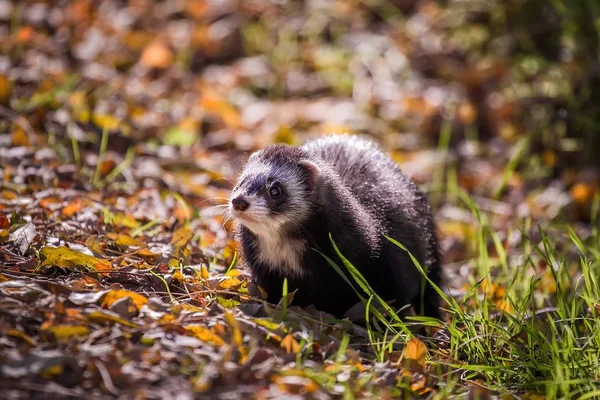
{"x":123,"y":126}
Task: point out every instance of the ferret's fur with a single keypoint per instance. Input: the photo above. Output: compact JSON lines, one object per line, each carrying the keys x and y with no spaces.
{"x":344,"y":186}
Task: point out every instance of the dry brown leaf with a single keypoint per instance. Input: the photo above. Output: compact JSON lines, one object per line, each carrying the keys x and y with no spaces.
{"x":4,"y":222}
{"x":5,"y":89}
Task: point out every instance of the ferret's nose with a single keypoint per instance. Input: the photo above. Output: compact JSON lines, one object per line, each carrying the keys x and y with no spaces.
{"x":239,"y":204}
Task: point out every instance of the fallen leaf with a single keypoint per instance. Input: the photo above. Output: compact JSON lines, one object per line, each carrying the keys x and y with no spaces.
{"x":96,"y":244}
{"x":72,"y":208}
{"x":125,"y":241}
{"x":20,"y":335}
{"x":157,"y":55}
{"x":204,"y":334}
{"x":415,"y":350}
{"x":182,"y":236}
{"x":227,"y":303}
{"x":63,"y":333}
{"x":23,"y":236}
{"x":235,"y":328}
{"x":297,"y":385}
{"x":230,"y":283}
{"x":104,"y":317}
{"x":4,"y":222}
{"x":290,"y":344}
{"x":113,"y":295}
{"x":68,"y":258}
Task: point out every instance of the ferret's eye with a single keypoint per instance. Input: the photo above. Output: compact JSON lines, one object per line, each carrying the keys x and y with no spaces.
{"x":275,"y":191}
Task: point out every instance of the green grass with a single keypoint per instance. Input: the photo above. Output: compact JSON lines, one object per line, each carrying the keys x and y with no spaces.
{"x":515,"y":331}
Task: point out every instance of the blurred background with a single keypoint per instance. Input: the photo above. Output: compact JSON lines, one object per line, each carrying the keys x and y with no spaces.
{"x":498,"y":98}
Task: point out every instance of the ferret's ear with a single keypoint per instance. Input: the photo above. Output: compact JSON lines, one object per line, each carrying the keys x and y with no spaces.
{"x":313,"y":173}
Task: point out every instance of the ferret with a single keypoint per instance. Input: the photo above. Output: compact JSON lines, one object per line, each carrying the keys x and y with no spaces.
{"x":288,"y":201}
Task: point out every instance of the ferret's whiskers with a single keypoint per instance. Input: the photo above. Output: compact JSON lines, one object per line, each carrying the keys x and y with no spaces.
{"x":213,"y":198}
{"x":222,"y":178}
{"x":220,"y":209}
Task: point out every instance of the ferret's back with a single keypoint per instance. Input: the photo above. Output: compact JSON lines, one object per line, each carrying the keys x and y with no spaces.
{"x":395,"y":202}
{"x":370,"y":174}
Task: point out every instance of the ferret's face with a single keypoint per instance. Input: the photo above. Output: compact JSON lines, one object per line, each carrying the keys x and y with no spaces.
{"x":270,"y":196}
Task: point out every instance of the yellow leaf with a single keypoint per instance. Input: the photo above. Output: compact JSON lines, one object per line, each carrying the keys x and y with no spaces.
{"x":67,"y":258}
{"x":20,"y":335}
{"x":128,"y":241}
{"x":182,"y":236}
{"x":105,"y":317}
{"x":65,"y":332}
{"x":125,"y":221}
{"x":227,"y":303}
{"x":204,"y":272}
{"x":267,"y":323}
{"x":235,"y":328}
{"x":52,"y":371}
{"x":96,"y":244}
{"x":290,"y":344}
{"x":262,"y":291}
{"x":106,"y":121}
{"x":230,"y":283}
{"x":204,"y":334}
{"x":234,"y":273}
{"x":167,"y":318}
{"x":114,"y":295}
{"x":178,"y":276}
{"x":415,"y":350}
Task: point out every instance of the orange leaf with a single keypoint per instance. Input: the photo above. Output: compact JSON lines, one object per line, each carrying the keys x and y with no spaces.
{"x":47,"y":202}
{"x":157,"y":55}
{"x":114,"y":295}
{"x":73,"y":207}
{"x":582,"y":193}
{"x":290,"y":344}
{"x":204,"y":334}
{"x":415,"y":350}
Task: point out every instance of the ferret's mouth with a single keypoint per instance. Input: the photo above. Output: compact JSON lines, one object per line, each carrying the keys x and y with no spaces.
{"x":245,"y":216}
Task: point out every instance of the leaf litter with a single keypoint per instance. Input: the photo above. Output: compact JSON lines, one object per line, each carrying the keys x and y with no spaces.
{"x":123,"y":127}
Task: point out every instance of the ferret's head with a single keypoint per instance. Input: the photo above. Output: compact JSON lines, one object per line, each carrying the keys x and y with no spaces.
{"x":275,"y":190}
